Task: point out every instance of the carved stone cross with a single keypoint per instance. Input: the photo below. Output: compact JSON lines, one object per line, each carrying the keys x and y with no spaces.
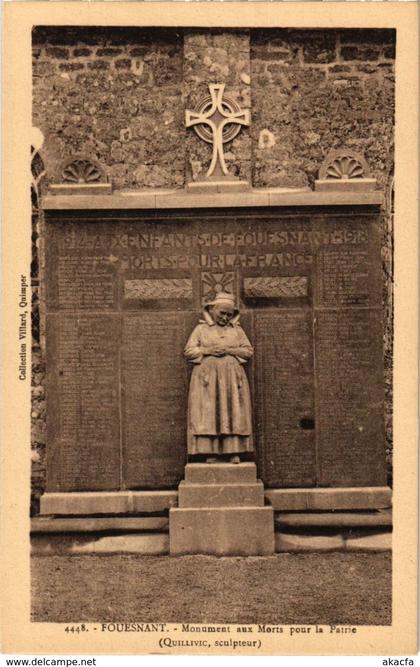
{"x":217,"y":120}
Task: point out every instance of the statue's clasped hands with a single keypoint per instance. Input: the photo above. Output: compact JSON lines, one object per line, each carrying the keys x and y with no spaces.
{"x":220,"y":350}
{"x":216,"y":350}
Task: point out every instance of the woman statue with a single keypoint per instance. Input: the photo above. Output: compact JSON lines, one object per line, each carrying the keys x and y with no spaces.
{"x":219,"y":404}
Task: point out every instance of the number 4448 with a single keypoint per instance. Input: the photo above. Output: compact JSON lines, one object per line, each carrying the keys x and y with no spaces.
{"x":76,"y":628}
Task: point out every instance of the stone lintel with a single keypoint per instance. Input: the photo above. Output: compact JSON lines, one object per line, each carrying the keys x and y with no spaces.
{"x":218,"y":186}
{"x":335,"y":198}
{"x":141,"y":200}
{"x":345,"y":185}
{"x":212,"y":200}
{"x":98,"y":524}
{"x":176,"y":199}
{"x":107,"y":502}
{"x":81,"y":189}
{"x":345,"y":498}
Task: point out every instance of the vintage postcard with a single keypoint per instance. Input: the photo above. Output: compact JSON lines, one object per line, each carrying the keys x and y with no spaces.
{"x":210,"y":289}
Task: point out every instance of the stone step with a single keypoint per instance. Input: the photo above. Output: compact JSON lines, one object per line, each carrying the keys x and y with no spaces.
{"x":79,"y":544}
{"x":337,"y":498}
{"x":340,"y":541}
{"x":339,"y":519}
{"x":220,"y":473}
{"x":222,"y":531}
{"x":106,"y":502}
{"x":292,"y":542}
{"x":221,"y":495}
{"x":99,"y":524}
{"x":376,"y":542}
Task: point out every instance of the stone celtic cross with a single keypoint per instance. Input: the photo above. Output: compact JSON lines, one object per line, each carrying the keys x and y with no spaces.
{"x":217,"y":120}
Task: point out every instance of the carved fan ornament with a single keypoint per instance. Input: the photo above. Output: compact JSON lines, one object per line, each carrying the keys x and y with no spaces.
{"x":213,"y":283}
{"x":344,"y":164}
{"x":81,"y":170}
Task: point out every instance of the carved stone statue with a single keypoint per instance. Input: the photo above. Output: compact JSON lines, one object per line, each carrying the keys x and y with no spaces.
{"x":219,"y":405}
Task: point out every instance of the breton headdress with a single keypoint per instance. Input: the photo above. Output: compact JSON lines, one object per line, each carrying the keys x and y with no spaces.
{"x":226,"y":299}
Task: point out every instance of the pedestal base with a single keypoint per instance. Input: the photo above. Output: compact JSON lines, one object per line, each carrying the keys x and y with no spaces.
{"x":221,"y":512}
{"x":221,"y":495}
{"x":222,"y":531}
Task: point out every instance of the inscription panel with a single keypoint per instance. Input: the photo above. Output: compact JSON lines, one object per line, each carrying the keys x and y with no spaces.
{"x":148,"y":279}
{"x":85,"y":283}
{"x":157,"y":265}
{"x":350,"y":397}
{"x":201,"y":246}
{"x":83,"y":422}
{"x":348,"y":267}
{"x":284,"y":397}
{"x":81,"y":275}
{"x":348,"y":352}
{"x":155,"y":399}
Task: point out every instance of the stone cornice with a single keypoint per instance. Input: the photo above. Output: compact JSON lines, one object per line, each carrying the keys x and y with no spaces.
{"x":179,"y":199}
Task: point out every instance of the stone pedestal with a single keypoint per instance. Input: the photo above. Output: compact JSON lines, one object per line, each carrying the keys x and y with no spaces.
{"x":221,"y":511}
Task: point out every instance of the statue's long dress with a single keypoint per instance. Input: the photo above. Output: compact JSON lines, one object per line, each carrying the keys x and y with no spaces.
{"x":219,"y":404}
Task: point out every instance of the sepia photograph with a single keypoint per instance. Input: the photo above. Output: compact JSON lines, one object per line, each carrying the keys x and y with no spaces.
{"x":207,"y":329}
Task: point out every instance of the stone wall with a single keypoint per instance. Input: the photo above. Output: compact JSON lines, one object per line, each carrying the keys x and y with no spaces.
{"x":114,"y":95}
{"x":314,"y":91}
{"x":119,"y":95}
